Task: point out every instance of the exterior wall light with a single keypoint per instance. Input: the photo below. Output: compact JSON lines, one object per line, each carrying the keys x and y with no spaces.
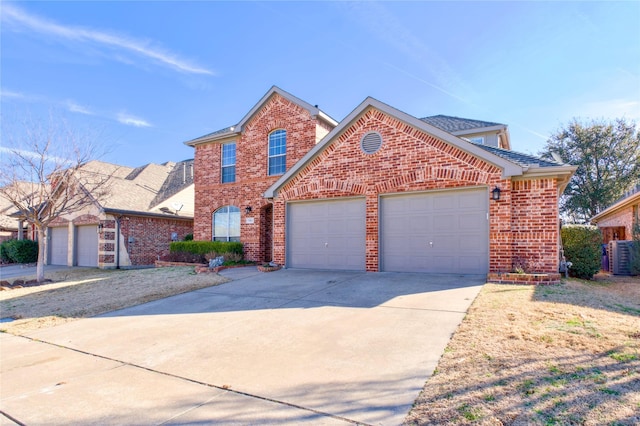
{"x":247,"y":209}
{"x":495,"y":194}
{"x":100,"y":228}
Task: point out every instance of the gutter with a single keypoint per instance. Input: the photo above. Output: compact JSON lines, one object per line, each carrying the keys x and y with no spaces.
{"x":145,"y":214}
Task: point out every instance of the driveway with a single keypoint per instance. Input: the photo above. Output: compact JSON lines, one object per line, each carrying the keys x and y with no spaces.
{"x":292,"y":346}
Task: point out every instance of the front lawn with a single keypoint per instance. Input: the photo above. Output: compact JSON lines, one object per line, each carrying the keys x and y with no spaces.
{"x":80,"y":293}
{"x":548,"y":355}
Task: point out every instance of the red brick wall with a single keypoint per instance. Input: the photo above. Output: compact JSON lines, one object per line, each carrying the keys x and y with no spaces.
{"x":411,"y":160}
{"x":151,"y":237}
{"x":251,"y":172}
{"x":535,"y":224}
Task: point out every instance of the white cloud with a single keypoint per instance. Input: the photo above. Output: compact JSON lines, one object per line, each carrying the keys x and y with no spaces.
{"x":10,"y":94}
{"x":17,"y":16}
{"x":131,"y":120}
{"x":74,"y":107}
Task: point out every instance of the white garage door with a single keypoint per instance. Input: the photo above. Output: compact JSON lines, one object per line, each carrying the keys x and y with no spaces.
{"x":87,"y":245}
{"x":326,"y":234}
{"x":58,"y":245}
{"x":437,"y":232}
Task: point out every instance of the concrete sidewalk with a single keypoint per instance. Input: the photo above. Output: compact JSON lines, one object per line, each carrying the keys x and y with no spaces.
{"x":290,"y":346}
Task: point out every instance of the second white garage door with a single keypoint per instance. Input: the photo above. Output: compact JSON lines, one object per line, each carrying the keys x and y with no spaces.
{"x":87,"y":245}
{"x":326,"y":234}
{"x":437,"y":232}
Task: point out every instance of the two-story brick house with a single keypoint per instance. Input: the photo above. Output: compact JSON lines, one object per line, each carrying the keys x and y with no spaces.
{"x":235,"y":165}
{"x":379,"y":191}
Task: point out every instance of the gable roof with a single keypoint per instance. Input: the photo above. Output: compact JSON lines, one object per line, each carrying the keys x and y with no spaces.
{"x":143,"y":188}
{"x":630,"y":198}
{"x":313,"y":110}
{"x":508,"y":167}
{"x":458,"y":125}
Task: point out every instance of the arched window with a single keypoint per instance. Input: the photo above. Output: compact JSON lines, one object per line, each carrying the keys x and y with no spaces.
{"x":277,"y":152}
{"x":226,"y":224}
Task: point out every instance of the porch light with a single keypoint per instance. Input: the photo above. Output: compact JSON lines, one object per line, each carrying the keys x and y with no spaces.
{"x":247,"y":209}
{"x":100,"y":228}
{"x":495,"y":194}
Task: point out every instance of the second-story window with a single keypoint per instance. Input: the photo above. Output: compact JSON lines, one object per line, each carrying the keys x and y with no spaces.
{"x":229,"y":162}
{"x":277,"y":152}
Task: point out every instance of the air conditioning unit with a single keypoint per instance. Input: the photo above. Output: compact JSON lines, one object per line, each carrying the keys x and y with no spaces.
{"x":620,"y":257}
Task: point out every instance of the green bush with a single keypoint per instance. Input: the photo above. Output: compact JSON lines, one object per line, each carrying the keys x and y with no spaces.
{"x":188,"y":237}
{"x":205,"y":247}
{"x":583,"y":248}
{"x":4,"y":254}
{"x":20,"y":251}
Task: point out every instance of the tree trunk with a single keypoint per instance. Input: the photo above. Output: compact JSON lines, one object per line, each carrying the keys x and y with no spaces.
{"x":42,"y":243}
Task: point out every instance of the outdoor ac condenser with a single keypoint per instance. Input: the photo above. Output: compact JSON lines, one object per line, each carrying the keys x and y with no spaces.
{"x":620,"y":257}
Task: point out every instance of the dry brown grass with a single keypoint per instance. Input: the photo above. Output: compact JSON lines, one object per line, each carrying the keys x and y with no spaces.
{"x":80,"y":293}
{"x":554,"y":355}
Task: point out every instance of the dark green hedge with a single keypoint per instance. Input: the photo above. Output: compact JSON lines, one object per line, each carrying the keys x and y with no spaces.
{"x":205,"y":247}
{"x":19,"y":251}
{"x":583,"y":248}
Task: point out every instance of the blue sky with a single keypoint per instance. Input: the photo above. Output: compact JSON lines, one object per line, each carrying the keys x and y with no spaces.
{"x":151,"y":75}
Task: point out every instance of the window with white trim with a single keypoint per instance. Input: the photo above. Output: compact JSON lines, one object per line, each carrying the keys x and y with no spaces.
{"x":478,"y":139}
{"x":226,"y":224}
{"x":229,"y":162}
{"x":277,"y":152}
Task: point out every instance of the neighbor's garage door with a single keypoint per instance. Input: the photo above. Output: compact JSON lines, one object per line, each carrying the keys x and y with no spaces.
{"x":326,"y":234}
{"x":438,"y":232}
{"x":87,"y":244}
{"x":58,"y":245}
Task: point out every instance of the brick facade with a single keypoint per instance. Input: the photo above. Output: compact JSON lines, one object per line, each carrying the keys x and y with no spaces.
{"x":145,"y":239}
{"x":523,"y":223}
{"x":251,"y":178}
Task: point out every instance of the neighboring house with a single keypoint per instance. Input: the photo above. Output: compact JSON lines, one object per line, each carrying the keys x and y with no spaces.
{"x":616,"y":222}
{"x":147,"y":208}
{"x":379,"y":191}
{"x":11,"y":227}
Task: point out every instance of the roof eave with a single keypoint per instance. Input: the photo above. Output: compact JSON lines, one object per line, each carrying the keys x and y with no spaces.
{"x":563,"y":173}
{"x":145,"y":214}
{"x":619,"y":205}
{"x":214,"y":138}
{"x":508,"y":168}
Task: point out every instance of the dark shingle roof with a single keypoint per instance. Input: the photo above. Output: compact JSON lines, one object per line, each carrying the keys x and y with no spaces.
{"x":518,"y":157}
{"x":456,"y":124}
{"x":217,"y":132}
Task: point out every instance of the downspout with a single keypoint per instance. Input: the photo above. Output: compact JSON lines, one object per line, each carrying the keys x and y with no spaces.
{"x":118,"y":242}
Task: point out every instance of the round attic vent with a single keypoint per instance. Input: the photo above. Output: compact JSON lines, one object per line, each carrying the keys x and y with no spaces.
{"x":371,"y":142}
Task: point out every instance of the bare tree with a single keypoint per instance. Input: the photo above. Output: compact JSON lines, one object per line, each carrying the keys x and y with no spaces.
{"x":44,"y":173}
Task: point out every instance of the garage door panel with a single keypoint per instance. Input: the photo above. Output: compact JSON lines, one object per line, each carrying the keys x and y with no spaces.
{"x":58,"y":245}
{"x":87,"y":245}
{"x":454,"y":221}
{"x":326,"y":234}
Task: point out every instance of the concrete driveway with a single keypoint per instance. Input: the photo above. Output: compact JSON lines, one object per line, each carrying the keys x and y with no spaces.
{"x":292,"y":346}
